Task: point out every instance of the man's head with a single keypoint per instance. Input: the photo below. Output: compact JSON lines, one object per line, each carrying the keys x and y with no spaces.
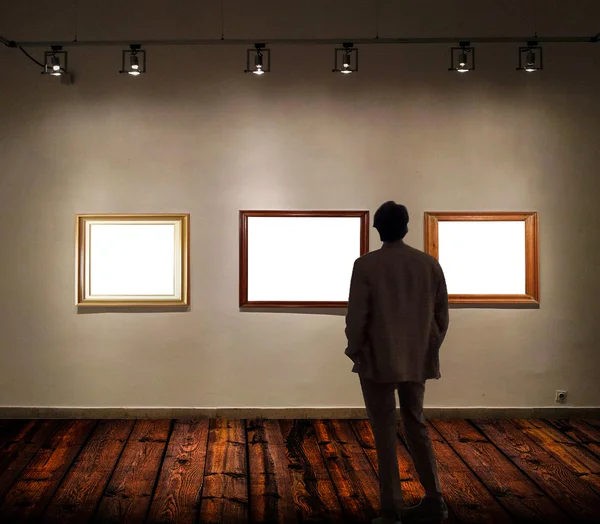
{"x":391,"y":221}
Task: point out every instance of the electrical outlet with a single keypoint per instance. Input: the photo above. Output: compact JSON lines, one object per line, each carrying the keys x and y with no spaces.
{"x":561,"y":396}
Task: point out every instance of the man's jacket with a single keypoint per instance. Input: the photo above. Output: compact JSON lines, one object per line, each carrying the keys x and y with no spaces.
{"x":397,"y":314}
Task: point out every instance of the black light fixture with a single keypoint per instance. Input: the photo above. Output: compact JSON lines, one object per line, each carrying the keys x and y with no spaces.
{"x":346,"y":59}
{"x":260,"y":57}
{"x":530,"y":57}
{"x":55,"y":61}
{"x":462,"y":59}
{"x":133,"y":62}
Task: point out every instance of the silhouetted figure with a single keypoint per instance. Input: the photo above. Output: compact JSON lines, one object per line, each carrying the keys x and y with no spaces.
{"x":396,"y":322}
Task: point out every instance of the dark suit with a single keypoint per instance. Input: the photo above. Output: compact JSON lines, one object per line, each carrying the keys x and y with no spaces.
{"x":397,"y":314}
{"x":396,"y":322}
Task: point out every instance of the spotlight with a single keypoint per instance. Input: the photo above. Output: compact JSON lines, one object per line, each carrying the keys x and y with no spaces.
{"x":530,"y":58}
{"x":133,"y":62}
{"x":262,"y":60}
{"x":348,"y":60}
{"x":52,"y":61}
{"x":462,"y":59}
{"x":258,"y":64}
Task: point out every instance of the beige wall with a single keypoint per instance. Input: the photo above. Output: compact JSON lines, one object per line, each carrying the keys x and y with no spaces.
{"x":197,"y":135}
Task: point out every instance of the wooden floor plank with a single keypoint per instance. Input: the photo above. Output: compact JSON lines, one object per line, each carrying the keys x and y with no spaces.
{"x":312,"y":489}
{"x":225,"y":491}
{"x":18,"y":452}
{"x":81,"y":490}
{"x":579,"y":460}
{"x":412,"y":489}
{"x":512,"y":488}
{"x":351,"y":472}
{"x":579,"y":431}
{"x":290,"y":471}
{"x":177,"y":496}
{"x":573,"y":496}
{"x":28,"y":497}
{"x":464,"y":493}
{"x":9,"y":428}
{"x":270,"y":483}
{"x":129,"y":491}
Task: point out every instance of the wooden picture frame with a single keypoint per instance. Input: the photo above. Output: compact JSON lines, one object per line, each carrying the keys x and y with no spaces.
{"x":299,"y":259}
{"x":506,"y":243}
{"x":125,"y":260}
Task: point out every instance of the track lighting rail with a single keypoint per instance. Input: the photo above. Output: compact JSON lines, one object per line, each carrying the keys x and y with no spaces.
{"x":303,"y":41}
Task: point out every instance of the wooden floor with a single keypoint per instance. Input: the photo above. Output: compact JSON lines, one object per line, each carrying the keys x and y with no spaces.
{"x":495,"y":471}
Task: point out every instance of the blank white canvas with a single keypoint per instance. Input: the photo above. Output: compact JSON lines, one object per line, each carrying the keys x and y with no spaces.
{"x":301,"y":258}
{"x":483,"y":257}
{"x":133,"y":260}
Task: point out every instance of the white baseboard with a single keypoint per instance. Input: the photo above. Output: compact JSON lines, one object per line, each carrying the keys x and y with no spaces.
{"x":66,"y":412}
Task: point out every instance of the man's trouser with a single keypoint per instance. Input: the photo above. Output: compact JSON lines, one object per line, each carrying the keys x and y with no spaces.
{"x":381,"y":408}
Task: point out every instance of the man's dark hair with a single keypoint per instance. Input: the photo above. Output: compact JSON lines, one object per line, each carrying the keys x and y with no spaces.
{"x":391,"y":221}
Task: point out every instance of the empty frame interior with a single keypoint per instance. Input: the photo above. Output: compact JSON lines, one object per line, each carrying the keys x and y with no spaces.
{"x":299,"y":258}
{"x":487,"y":258}
{"x":125,"y":260}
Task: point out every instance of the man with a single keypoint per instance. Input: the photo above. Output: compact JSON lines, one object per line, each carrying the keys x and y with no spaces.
{"x":396,"y":322}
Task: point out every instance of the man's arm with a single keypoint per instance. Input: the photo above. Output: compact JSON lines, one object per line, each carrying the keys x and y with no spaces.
{"x":441,"y":317}
{"x":357,"y":315}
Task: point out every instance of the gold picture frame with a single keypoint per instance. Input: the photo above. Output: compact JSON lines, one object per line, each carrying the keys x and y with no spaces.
{"x":492,"y":258}
{"x":125,"y":260}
